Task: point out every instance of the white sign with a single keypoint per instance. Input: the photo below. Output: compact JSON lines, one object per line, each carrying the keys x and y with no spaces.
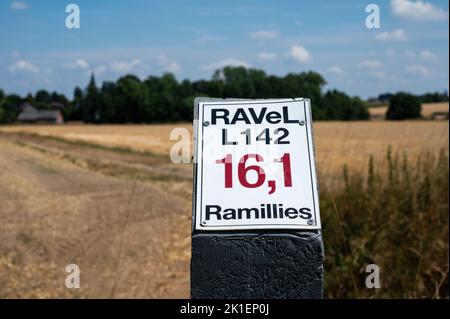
{"x":255,"y":166}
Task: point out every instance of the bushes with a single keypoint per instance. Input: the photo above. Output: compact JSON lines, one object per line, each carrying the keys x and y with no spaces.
{"x":337,"y":105}
{"x":398,"y":220}
{"x":9,"y":108}
{"x":404,"y":106}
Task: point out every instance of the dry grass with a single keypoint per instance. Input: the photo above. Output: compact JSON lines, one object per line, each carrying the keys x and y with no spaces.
{"x":397,"y":220}
{"x":427,"y":110}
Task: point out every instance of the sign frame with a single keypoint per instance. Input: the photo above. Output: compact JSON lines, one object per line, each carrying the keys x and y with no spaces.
{"x":198,"y":223}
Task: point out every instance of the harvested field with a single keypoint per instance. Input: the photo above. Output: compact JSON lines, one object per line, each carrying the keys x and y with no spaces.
{"x":108,"y":199}
{"x":337,"y":143}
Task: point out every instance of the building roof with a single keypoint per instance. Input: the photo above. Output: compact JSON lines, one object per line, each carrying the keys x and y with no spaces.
{"x":30,"y":114}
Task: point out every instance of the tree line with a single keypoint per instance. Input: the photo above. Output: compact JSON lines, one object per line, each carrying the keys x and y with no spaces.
{"x":165,"y":99}
{"x":430,"y":97}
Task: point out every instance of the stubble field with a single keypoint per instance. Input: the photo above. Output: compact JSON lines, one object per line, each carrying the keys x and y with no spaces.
{"x":108,"y":199}
{"x":336,"y":143}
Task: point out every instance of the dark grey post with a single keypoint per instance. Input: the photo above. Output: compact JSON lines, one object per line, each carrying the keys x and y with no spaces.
{"x":255,"y":264}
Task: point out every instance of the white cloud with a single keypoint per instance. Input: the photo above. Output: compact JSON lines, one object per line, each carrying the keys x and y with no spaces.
{"x":420,"y":70}
{"x":418,"y":10}
{"x":82,"y":64}
{"x":125,"y":66}
{"x":221,"y":64}
{"x":20,"y":5}
{"x":335,"y":70}
{"x":427,"y":55}
{"x":168,"y":65}
{"x":300,"y":54}
{"x":23,"y":66}
{"x":263,"y":35}
{"x":370,"y":64}
{"x":98,"y":70}
{"x":266,"y":56}
{"x":396,"y":35}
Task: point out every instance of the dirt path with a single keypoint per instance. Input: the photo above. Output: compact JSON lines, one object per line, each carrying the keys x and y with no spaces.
{"x":128,"y":234}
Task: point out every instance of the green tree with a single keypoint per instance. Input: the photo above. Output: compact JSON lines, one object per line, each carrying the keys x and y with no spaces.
{"x":73,"y":110}
{"x":404,"y":106}
{"x":43,"y":96}
{"x":129,"y":98}
{"x":91,"y":103}
{"x":337,"y":105}
{"x":10,"y":108}
{"x":59,"y":98}
{"x":77,"y":93}
{"x":163,"y":99}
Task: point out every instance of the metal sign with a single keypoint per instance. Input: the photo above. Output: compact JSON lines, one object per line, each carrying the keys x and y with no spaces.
{"x":255,"y":166}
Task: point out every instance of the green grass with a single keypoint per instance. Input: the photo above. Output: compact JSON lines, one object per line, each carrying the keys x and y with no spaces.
{"x":397,"y":220}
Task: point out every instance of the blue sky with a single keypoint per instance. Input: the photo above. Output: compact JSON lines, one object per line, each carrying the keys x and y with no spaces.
{"x":192,"y":38}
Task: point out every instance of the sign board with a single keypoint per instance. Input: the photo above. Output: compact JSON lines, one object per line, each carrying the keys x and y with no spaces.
{"x":255,"y":166}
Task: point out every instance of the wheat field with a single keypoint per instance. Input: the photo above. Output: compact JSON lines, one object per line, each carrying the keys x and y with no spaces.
{"x":336,"y":143}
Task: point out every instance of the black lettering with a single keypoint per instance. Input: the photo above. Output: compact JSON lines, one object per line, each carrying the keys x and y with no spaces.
{"x":209,"y":211}
{"x":286,"y":116}
{"x":240,"y":116}
{"x":223,"y":116}
{"x":225,"y":138}
{"x":248,"y":212}
{"x":258,"y":119}
{"x":305,"y":213}
{"x":291,"y":212}
{"x":273,"y":117}
{"x":229,"y":213}
{"x":263,"y":211}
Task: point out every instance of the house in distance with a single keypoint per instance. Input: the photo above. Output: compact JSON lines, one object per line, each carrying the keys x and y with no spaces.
{"x":30,"y":114}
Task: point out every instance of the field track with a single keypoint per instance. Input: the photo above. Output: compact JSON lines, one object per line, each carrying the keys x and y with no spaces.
{"x":129,"y":236}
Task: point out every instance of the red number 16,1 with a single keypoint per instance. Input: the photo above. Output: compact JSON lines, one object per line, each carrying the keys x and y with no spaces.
{"x":261,"y":175}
